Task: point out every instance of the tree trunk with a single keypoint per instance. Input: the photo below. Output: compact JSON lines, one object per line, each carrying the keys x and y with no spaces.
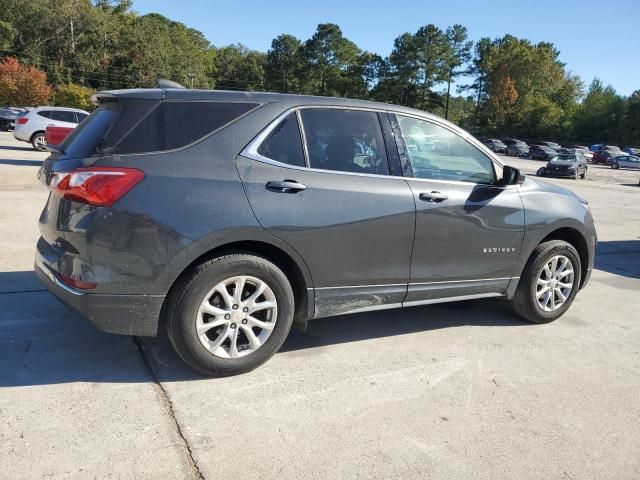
{"x":446,"y":108}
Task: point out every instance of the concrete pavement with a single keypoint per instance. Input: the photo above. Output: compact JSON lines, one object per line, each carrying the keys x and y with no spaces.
{"x":448,"y":391}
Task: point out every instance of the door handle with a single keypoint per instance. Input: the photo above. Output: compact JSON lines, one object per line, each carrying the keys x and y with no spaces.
{"x":434,"y":197}
{"x":286,"y":186}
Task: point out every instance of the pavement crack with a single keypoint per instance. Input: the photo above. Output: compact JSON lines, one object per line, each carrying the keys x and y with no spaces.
{"x":168,"y":406}
{"x":13,"y":292}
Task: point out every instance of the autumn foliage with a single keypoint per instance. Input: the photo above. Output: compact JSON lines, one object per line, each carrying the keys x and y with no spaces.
{"x":21,"y":84}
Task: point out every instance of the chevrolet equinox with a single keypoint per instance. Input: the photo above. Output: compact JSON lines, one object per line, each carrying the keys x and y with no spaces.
{"x":229,"y":216}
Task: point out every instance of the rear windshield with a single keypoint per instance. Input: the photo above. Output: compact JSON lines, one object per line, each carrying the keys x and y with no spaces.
{"x":141,"y":126}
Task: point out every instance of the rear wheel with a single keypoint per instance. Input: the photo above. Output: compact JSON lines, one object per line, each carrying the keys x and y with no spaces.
{"x":549,"y":282}
{"x":39,"y":142}
{"x":231,"y":314}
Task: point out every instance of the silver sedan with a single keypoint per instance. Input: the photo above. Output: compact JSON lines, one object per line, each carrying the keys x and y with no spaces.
{"x":625,"y":161}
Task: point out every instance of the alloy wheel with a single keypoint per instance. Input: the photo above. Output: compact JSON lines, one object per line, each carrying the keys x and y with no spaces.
{"x":555,"y":283}
{"x":236,"y":317}
{"x":40,"y":142}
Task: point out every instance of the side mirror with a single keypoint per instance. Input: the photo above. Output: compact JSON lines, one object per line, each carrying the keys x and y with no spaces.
{"x":511,"y":176}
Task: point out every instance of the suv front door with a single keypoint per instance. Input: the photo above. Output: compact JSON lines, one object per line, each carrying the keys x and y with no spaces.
{"x":318,"y":179}
{"x":469,"y":230}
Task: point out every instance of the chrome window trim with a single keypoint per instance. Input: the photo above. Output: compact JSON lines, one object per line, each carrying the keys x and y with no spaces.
{"x":251,"y":150}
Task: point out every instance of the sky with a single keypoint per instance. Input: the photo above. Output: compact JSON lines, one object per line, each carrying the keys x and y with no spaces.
{"x":596,"y":38}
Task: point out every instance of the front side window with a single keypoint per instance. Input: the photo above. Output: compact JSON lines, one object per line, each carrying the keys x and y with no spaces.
{"x":284,"y":143}
{"x":345,"y":140}
{"x":434,"y":152}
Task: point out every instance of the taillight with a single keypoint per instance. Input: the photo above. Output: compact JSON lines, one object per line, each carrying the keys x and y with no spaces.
{"x":100,"y":186}
{"x":22,"y":120}
{"x":74,"y":282}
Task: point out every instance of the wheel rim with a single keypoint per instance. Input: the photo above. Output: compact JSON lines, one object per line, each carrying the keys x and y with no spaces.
{"x":555,"y":283}
{"x":40,"y":142}
{"x":236,"y":317}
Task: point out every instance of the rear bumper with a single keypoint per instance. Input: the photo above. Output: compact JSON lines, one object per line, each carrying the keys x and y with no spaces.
{"x":120,"y":314}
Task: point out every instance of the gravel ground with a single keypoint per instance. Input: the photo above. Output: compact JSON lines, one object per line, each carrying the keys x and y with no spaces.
{"x":602,"y":176}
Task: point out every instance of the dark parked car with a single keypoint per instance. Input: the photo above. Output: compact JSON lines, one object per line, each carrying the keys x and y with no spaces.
{"x":604,"y":155}
{"x":226,"y":217}
{"x":516,"y":148}
{"x":572,"y":165}
{"x":496,"y":145}
{"x":7,"y":119}
{"x":631,"y":150}
{"x":537,"y":152}
{"x":552,"y":145}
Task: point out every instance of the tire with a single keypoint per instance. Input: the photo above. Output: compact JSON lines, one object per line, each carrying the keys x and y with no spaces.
{"x":615,"y":166}
{"x":525,"y":302}
{"x":184,"y":305}
{"x":584,"y":175}
{"x":39,"y":142}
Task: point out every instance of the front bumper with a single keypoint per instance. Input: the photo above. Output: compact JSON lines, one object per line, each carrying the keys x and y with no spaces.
{"x":120,"y":314}
{"x":558,"y":173}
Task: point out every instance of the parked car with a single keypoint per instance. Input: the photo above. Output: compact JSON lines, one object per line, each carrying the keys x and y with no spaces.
{"x":538,"y":152}
{"x":631,"y":150}
{"x":516,"y":148}
{"x":7,"y":119}
{"x":233,"y":215}
{"x":572,"y":165}
{"x":496,"y":145}
{"x":55,"y":135}
{"x":31,"y":126}
{"x":586,"y":153}
{"x":625,"y":161}
{"x":604,"y":155}
{"x":552,"y":145}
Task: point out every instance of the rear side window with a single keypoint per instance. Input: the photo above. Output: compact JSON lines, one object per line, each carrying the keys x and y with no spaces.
{"x":45,"y":113}
{"x":85,"y":139}
{"x":345,"y":140}
{"x":284,"y":143}
{"x":172,"y":125}
{"x":63,"y":116}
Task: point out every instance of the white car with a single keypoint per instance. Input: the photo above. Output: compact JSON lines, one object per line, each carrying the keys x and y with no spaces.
{"x":31,"y":126}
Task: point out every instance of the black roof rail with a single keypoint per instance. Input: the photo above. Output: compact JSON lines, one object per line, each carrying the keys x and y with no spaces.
{"x":163,"y":83}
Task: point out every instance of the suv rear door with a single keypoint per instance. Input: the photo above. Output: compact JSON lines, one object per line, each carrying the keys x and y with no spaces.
{"x":318,"y":179}
{"x":468,"y":230}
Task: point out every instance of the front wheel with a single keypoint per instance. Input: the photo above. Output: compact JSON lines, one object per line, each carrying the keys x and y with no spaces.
{"x":615,"y":166}
{"x":39,"y":142}
{"x":549,"y":282}
{"x":231,"y":314}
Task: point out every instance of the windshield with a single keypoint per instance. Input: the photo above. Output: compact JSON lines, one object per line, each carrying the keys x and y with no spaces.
{"x":6,"y":113}
{"x":564,"y":158}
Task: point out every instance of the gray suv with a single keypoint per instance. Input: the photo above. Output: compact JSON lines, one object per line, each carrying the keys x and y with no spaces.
{"x":229,"y":216}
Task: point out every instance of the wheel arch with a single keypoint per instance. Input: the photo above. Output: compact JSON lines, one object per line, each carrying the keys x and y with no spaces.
{"x":569,"y":234}
{"x":298,"y":277}
{"x":578,"y":241}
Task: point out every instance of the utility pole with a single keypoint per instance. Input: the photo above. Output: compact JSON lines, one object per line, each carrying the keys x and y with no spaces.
{"x":191,"y":76}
